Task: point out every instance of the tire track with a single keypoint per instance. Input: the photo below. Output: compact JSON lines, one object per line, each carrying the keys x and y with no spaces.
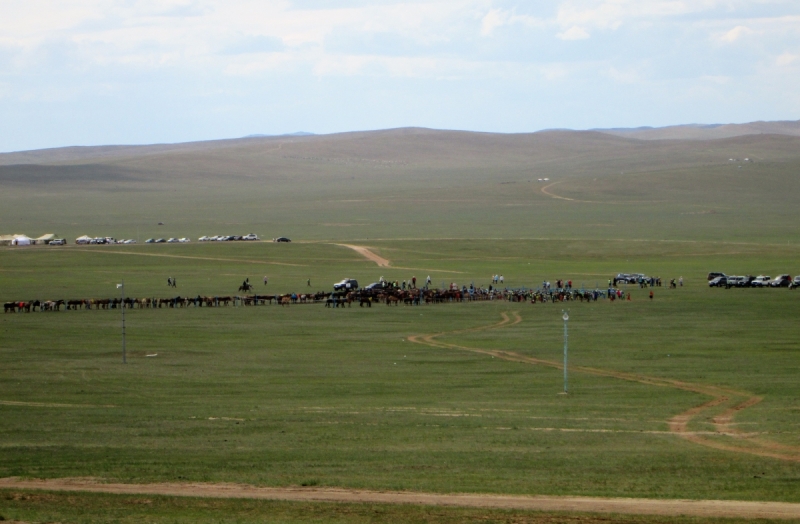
{"x":629,"y":506}
{"x":679,"y":424}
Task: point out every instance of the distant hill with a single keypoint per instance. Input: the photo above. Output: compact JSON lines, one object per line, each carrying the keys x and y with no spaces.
{"x":707,"y":131}
{"x":297,"y":133}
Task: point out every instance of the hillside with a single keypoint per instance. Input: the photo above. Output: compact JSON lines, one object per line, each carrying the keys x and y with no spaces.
{"x":412,"y":183}
{"x":708,"y":131}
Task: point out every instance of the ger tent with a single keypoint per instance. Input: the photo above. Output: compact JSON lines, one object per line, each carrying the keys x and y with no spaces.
{"x":21,"y":240}
{"x":44,"y":239}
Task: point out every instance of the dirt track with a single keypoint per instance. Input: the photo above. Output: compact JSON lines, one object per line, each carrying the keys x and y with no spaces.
{"x":697,"y":508}
{"x":366,"y":253}
{"x":735,"y":401}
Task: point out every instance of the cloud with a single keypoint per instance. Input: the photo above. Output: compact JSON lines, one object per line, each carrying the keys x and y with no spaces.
{"x":786,"y":59}
{"x":493,"y":19}
{"x":735,"y":34}
{"x":574,"y":33}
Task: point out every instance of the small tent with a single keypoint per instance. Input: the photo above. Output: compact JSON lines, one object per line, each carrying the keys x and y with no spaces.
{"x":44,"y":239}
{"x":21,"y":240}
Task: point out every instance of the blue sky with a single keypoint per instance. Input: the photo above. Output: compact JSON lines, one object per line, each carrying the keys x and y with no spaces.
{"x":86,"y":72}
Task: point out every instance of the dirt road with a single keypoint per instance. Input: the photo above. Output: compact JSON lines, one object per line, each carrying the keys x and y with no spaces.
{"x":735,"y":401}
{"x":696,"y":508}
{"x":366,"y":253}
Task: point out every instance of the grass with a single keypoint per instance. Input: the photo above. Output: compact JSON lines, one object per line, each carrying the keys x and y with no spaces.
{"x":307,"y":395}
{"x":310,"y":396}
{"x":95,"y":508}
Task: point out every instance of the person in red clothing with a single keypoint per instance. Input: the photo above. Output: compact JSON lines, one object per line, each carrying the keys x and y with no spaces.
{"x":651,"y":295}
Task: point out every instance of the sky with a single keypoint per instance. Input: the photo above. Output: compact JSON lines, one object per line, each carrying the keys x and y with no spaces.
{"x":89,"y":72}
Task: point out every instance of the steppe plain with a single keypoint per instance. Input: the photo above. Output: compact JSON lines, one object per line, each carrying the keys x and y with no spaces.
{"x":693,"y":395}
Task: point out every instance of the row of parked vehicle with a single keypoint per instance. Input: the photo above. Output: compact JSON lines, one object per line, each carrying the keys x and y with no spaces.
{"x":97,"y":240}
{"x":228,"y":238}
{"x":729,"y":281}
{"x":183,"y":240}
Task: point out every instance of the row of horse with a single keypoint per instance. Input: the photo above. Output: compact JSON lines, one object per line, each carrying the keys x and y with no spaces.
{"x":410,"y":297}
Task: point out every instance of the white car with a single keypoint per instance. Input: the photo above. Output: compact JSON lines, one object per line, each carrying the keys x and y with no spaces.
{"x":131,"y":241}
{"x":760,"y":281}
{"x":251,"y":236}
{"x":203,"y":239}
{"x":172,"y":241}
{"x":183,"y":240}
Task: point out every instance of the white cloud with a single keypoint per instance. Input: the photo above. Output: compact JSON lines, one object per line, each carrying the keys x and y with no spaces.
{"x":735,"y":34}
{"x":574,"y":33}
{"x":786,"y":59}
{"x":493,"y":19}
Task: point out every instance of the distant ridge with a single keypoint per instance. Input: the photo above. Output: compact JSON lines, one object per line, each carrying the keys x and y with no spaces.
{"x":706,"y":131}
{"x":296,"y":133}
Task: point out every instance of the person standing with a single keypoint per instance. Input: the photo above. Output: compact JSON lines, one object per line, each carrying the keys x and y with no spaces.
{"x":502,"y":279}
{"x":169,"y":281}
{"x":428,"y":282}
{"x":680,"y":281}
{"x":265,"y":280}
{"x":174,"y":282}
{"x":414,"y":282}
{"x":651,"y":295}
{"x":308,"y":283}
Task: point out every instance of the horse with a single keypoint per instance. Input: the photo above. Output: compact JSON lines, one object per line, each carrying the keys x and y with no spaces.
{"x":246,"y":287}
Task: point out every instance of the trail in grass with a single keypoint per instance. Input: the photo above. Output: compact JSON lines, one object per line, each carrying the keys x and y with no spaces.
{"x":545,"y":191}
{"x":735,"y":400}
{"x":696,"y":508}
{"x":383,"y":262}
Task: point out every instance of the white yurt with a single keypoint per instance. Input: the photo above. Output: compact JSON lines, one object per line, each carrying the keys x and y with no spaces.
{"x":21,"y":240}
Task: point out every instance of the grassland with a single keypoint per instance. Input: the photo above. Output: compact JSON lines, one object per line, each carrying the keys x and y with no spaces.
{"x":310,"y":396}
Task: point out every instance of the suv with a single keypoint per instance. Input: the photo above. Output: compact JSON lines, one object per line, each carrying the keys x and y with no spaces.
{"x":760,"y":281}
{"x":780,"y":281}
{"x":346,"y":284}
{"x":57,"y":242}
{"x":734,"y":281}
{"x":795,"y":283}
{"x":251,"y":236}
{"x":711,"y":276}
{"x":718,"y":282}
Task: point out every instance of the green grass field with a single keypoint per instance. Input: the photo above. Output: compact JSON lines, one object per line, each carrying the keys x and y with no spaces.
{"x":307,"y":395}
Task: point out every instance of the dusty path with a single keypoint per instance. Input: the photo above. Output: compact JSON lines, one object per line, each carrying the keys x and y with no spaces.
{"x":366,"y":253}
{"x":545,"y":191}
{"x":382,"y":262}
{"x":735,"y":401}
{"x":696,"y":508}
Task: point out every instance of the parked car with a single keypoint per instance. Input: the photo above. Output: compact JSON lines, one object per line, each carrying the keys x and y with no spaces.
{"x":760,"y":281}
{"x":780,"y":281}
{"x":346,"y":284}
{"x":150,"y":241}
{"x":184,"y":240}
{"x":745,"y":281}
{"x":251,"y":236}
{"x":131,"y":241}
{"x":718,"y":282}
{"x":713,"y":275}
{"x":733,"y":281}
{"x":160,"y":241}
{"x":281,"y":239}
{"x":795,"y":283}
{"x":172,"y":241}
{"x":374,"y":285}
{"x":203,"y":239}
{"x":57,"y":242}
